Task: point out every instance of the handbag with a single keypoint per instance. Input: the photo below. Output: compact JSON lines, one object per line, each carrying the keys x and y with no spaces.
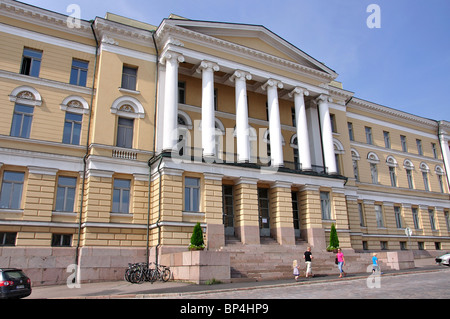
{"x":336,"y":261}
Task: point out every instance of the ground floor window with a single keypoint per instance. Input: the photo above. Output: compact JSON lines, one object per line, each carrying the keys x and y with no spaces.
{"x":191,"y":194}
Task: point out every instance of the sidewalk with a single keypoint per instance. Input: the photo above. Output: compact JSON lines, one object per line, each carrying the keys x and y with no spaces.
{"x":125,"y":290}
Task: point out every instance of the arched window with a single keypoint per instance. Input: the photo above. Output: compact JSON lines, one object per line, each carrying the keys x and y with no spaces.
{"x":25,"y":99}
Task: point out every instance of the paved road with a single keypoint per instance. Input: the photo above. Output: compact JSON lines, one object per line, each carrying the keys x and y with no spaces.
{"x":433,"y":285}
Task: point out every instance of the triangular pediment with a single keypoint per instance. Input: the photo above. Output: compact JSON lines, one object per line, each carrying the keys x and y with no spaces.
{"x":255,"y":37}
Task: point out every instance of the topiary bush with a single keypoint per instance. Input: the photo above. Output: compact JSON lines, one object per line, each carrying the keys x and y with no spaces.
{"x":334,"y":240}
{"x":197,"y":242}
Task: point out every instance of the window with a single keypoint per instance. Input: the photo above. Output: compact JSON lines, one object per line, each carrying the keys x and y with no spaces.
{"x":65,"y":195}
{"x":419,"y":147}
{"x":295,"y":210}
{"x":129,"y":78}
{"x":425,"y":181}
{"x":61,"y":240}
{"x":350,"y":131}
{"x":379,"y":216}
{"x":432,"y":220}
{"x":31,"y":62}
{"x":393,"y":176}
{"x":333,"y":123}
{"x":182,"y":92}
{"x":21,"y":123}
{"x":294,"y":120}
{"x":369,"y":138}
{"x":434,"y":149}
{"x":361,"y":215}
{"x":355,"y":169}
{"x":410,"y":178}
{"x":387,"y":139}
{"x":8,"y":239}
{"x":403,"y":142}
{"x":121,"y":196}
{"x":398,"y":217}
{"x":415,"y":215}
{"x":441,"y":183}
{"x":11,"y":192}
{"x":325,"y":205}
{"x":228,"y":206}
{"x":125,"y":132}
{"x":447,"y":220}
{"x":192,"y":194}
{"x":383,"y":245}
{"x":374,"y":173}
{"x":72,"y":128}
{"x":78,"y":74}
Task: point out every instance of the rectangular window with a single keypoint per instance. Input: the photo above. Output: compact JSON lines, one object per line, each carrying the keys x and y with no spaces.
{"x":362,"y":222}
{"x":350,"y":131}
{"x":65,"y":194}
{"x":404,"y":144}
{"x":369,"y":138}
{"x":228,"y":206}
{"x":333,"y":123}
{"x":441,"y":183}
{"x":379,"y":216}
{"x":121,"y":196}
{"x":398,"y":216}
{"x":8,"y":239}
{"x":295,"y":210}
{"x":410,"y":179}
{"x":387,"y":139}
{"x":325,"y":205}
{"x":78,"y":73}
{"x":432,"y":220}
{"x":31,"y":62}
{"x":125,"y":132}
{"x":393,"y":176}
{"x":374,"y":173}
{"x":293,"y":116}
{"x":356,"y":170}
{"x":61,"y":240}
{"x":129,"y":78}
{"x":182,"y":92}
{"x":72,"y":128}
{"x":415,"y":215}
{"x":447,"y":220}
{"x":11,"y":192}
{"x":425,"y":181}
{"x":191,"y":194}
{"x":21,"y":123}
{"x":419,"y":147}
{"x":434,"y":149}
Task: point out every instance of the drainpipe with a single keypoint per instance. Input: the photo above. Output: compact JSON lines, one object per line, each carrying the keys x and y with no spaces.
{"x":86,"y":155}
{"x":446,"y":169}
{"x":151,"y":160}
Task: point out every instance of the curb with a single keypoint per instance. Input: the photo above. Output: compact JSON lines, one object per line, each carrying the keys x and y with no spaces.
{"x":268,"y":286}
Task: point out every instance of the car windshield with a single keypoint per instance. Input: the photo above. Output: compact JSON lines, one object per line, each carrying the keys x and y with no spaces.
{"x":14,"y":274}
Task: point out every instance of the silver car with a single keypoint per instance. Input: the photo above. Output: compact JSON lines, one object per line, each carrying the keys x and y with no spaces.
{"x":444,"y":260}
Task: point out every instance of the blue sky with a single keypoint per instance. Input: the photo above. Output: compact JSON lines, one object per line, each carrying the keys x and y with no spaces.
{"x":404,"y":65}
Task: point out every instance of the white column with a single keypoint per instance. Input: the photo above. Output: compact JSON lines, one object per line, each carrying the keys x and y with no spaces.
{"x":445,"y":154}
{"x":276,"y":139}
{"x":242,"y":128}
{"x":304,"y":151}
{"x":327,"y":134}
{"x":208,"y":114}
{"x":170,"y":134}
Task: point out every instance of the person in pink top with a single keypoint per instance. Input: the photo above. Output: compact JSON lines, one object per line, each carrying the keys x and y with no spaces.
{"x":341,"y":263}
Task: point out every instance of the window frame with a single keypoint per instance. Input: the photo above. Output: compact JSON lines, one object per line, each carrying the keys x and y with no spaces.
{"x":325,"y":205}
{"x":192,"y":204}
{"x":67,"y":190}
{"x":31,"y":62}
{"x":12,"y":190}
{"x":19,"y":117}
{"x":75,"y":126}
{"x":79,"y":71}
{"x":124,"y":201}
{"x":127,"y":76}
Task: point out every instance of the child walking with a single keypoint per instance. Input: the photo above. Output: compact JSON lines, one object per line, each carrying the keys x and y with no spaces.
{"x":296,"y":268}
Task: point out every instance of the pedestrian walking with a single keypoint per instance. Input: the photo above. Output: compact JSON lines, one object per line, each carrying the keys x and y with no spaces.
{"x":308,"y":259}
{"x":341,"y":262}
{"x":375,"y":265}
{"x":296,"y":268}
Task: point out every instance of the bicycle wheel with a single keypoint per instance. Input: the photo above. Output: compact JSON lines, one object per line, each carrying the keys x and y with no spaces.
{"x":165,"y":275}
{"x":153,"y":275}
{"x":127,"y":275}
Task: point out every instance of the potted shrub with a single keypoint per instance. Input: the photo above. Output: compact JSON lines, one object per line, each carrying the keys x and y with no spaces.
{"x":334,"y":240}
{"x":197,"y":242}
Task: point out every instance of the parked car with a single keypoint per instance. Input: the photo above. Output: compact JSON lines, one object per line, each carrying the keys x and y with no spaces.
{"x":444,"y":259}
{"x":14,"y":284}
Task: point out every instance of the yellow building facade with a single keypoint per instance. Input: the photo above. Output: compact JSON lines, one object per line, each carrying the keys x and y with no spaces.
{"x":117,"y":137}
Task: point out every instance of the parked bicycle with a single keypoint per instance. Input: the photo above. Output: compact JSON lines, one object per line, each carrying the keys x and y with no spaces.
{"x":139,"y":272}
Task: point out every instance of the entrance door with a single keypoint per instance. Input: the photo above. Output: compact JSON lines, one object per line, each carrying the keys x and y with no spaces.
{"x":264,"y":212}
{"x":228,"y":209}
{"x":295,"y":212}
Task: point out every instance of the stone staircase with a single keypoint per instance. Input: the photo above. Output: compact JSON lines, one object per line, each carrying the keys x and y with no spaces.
{"x":271,"y":261}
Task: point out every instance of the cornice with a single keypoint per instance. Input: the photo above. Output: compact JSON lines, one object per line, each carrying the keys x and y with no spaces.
{"x":391,"y":113}
{"x":34,"y":15}
{"x":167,"y":30}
